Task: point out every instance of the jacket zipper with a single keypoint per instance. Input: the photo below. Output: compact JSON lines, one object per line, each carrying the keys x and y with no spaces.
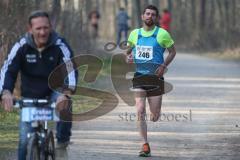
{"x":40,"y":55}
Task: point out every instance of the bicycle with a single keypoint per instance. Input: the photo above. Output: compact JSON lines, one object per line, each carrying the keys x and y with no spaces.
{"x":40,"y":145}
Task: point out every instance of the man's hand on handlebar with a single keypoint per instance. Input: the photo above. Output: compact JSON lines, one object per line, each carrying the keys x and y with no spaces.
{"x":7,"y":100}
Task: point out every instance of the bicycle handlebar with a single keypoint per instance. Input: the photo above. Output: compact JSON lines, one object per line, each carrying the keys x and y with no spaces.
{"x":20,"y":103}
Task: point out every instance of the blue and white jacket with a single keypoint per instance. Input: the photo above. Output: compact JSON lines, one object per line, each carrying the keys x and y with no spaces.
{"x":35,"y":67}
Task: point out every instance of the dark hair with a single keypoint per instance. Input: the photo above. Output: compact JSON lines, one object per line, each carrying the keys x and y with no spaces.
{"x":152,"y":7}
{"x":38,"y":13}
{"x":92,"y":13}
{"x":165,"y":10}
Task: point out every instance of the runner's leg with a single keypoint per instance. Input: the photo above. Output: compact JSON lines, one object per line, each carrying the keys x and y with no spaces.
{"x":141,"y":112}
{"x":155,"y":104}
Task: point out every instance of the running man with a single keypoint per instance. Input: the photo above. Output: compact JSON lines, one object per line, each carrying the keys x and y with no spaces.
{"x":147,"y":44}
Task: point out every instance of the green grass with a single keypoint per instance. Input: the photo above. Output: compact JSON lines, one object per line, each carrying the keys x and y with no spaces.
{"x":8,"y":132}
{"x":9,"y":121}
{"x":82,"y":104}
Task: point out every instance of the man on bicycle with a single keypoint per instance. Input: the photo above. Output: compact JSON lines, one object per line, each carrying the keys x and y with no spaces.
{"x":147,"y":45}
{"x":35,"y":56}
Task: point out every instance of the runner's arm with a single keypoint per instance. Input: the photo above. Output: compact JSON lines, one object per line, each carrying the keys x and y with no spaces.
{"x":171,"y":55}
{"x":168,"y":60}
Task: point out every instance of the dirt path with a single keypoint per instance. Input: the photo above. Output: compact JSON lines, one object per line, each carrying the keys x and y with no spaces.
{"x":205,"y":100}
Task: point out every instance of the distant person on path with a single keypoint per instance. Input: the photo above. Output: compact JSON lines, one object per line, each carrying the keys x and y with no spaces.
{"x":122,"y":24}
{"x":94,"y":17}
{"x":165,"y":20}
{"x":147,"y":46}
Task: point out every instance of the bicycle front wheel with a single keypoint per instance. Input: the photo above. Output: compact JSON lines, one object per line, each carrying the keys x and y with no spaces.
{"x":33,"y":152}
{"x":50,"y":152}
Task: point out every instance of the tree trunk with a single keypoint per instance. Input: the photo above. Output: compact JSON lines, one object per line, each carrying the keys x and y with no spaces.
{"x":227,"y":21}
{"x":156,"y":3}
{"x":222,"y":23}
{"x":55,"y":14}
{"x":138,"y":12}
{"x":170,"y":5}
{"x":227,"y":18}
{"x":233,"y":16}
{"x":212,"y":15}
{"x":202,"y":13}
{"x":193,"y":13}
{"x":37,"y":4}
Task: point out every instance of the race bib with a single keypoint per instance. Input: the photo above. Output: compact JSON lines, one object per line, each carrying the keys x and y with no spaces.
{"x":30,"y":114}
{"x":144,"y":52}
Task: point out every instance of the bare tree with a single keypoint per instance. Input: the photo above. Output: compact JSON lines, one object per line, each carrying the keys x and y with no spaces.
{"x":55,"y":14}
{"x":202,"y":13}
{"x":137,"y":10}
